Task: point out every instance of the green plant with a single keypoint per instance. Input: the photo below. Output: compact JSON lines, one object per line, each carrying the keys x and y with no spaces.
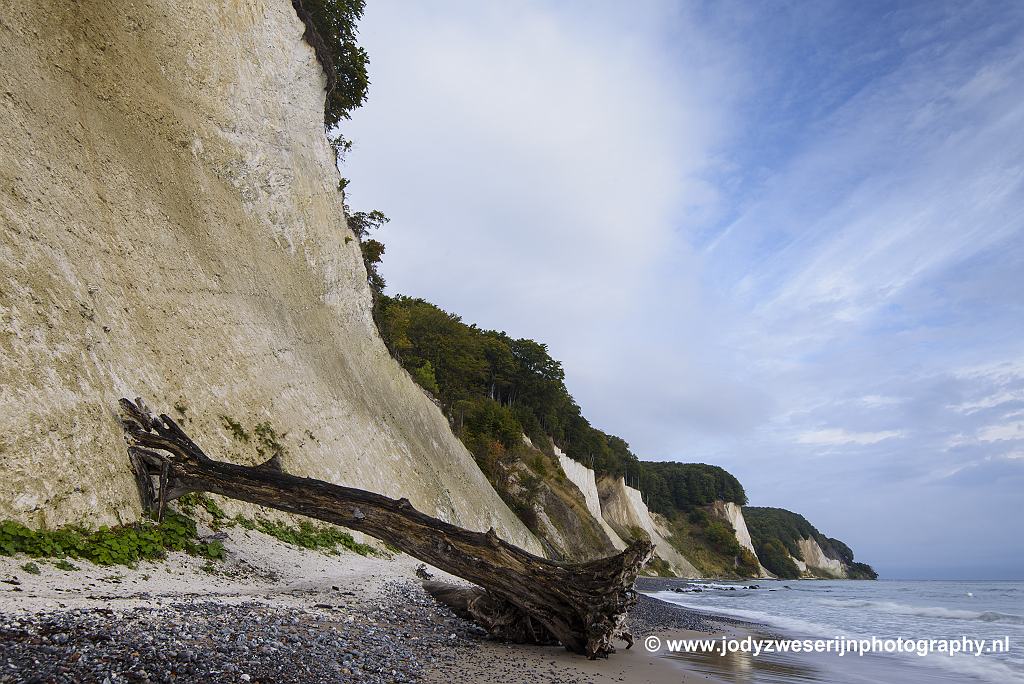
{"x":538,"y":463}
{"x":214,"y":550}
{"x":123,"y":545}
{"x":269,"y":440}
{"x":746,"y":564}
{"x":425,"y":378}
{"x":217,"y":514}
{"x":331,"y":28}
{"x":361,"y":223}
{"x":247,"y":523}
{"x":235,"y":428}
{"x":188,"y":502}
{"x":31,"y":568}
{"x":309,"y":536}
{"x":722,"y":537}
{"x":660,"y":567}
{"x":773,"y":556}
{"x":65,"y":564}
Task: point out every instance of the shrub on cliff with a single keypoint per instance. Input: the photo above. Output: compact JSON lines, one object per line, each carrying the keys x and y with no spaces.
{"x":774,"y":557}
{"x":331,"y":28}
{"x":785,"y":527}
{"x":861,"y":571}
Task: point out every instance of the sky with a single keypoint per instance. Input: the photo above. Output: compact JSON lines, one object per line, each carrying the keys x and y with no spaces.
{"x":784,"y":238}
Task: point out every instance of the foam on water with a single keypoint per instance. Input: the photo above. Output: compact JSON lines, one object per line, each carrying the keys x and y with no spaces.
{"x":886,"y":609}
{"x":928,"y":611}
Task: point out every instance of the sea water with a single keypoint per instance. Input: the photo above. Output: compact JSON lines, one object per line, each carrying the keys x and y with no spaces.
{"x":887,"y":609}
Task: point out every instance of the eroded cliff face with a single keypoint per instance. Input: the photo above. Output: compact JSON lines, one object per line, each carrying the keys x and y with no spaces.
{"x":585,"y":480}
{"x":171,"y":228}
{"x":733,"y":514}
{"x":816,"y":564}
{"x":624,"y":509}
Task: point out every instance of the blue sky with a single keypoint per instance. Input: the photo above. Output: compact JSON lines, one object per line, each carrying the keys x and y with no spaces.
{"x":786,"y":238}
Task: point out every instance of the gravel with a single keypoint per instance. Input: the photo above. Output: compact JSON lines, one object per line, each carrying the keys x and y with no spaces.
{"x":395,"y":638}
{"x":650,"y":615}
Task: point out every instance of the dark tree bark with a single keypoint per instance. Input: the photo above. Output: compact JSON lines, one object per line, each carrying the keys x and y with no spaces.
{"x":519,"y":596}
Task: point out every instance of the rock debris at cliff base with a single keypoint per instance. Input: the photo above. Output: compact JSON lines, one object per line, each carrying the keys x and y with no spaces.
{"x":401,"y":636}
{"x":396,"y":640}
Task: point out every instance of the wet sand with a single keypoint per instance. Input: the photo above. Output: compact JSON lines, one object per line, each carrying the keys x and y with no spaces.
{"x":496,"y":662}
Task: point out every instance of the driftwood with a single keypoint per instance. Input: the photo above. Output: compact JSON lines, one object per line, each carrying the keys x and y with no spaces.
{"x":519,"y":596}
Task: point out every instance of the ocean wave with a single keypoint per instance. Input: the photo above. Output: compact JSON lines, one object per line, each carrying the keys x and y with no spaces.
{"x":791,"y":623}
{"x":927,"y":611}
{"x":982,"y":669}
{"x":988,"y":669}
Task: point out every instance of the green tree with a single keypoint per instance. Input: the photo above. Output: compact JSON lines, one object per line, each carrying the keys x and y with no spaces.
{"x":774,"y":557}
{"x":332,"y":28}
{"x":425,"y":378}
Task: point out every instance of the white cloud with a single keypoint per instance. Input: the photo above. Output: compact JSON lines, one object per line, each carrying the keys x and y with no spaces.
{"x":838,"y":436}
{"x":877,"y":400}
{"x":990,"y":401}
{"x":542,"y":173}
{"x":534,"y":166}
{"x":1002,"y":433}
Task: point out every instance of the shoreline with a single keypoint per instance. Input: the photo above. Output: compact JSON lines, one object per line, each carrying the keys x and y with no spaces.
{"x":497,"y":661}
{"x":277,"y":613}
{"x":792,"y":666}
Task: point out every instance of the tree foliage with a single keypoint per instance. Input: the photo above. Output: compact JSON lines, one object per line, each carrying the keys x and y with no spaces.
{"x":786,"y":527}
{"x":774,"y":557}
{"x":492,"y":387}
{"x":682,"y":486}
{"x":362,"y":223}
{"x":332,"y":28}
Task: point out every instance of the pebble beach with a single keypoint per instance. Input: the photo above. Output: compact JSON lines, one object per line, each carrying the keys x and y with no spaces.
{"x":276,"y":613}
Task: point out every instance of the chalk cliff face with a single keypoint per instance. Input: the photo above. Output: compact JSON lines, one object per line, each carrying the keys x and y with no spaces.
{"x":815,"y":563}
{"x":584,"y":478}
{"x":624,"y":509}
{"x":171,"y":228}
{"x":733,"y":515}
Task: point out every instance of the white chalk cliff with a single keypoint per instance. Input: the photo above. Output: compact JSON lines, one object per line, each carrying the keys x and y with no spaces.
{"x":585,"y":480}
{"x":172,"y":228}
{"x":624,"y":509}
{"x":733,"y":514}
{"x":816,"y":563}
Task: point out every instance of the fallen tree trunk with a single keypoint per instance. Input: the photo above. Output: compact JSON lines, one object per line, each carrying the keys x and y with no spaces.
{"x":519,"y":596}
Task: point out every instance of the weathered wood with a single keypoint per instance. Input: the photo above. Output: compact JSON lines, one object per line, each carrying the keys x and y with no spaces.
{"x":519,"y":596}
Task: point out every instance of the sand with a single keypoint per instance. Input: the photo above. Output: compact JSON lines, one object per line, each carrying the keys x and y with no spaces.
{"x":266,"y":578}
